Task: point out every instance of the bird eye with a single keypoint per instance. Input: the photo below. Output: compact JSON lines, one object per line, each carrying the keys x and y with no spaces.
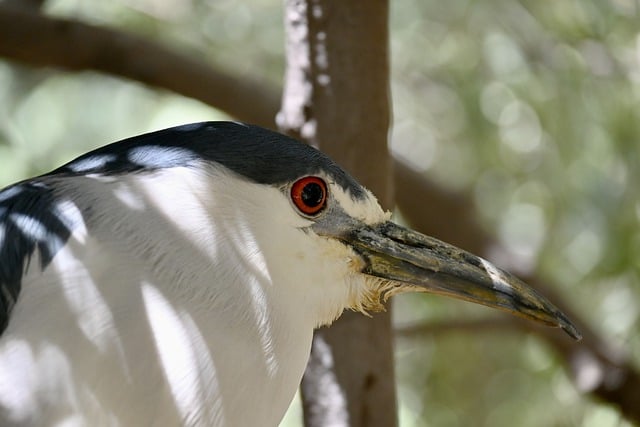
{"x":309,"y":195}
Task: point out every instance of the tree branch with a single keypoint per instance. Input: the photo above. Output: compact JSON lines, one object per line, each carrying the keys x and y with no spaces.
{"x":436,"y":212}
{"x":41,"y":41}
{"x":33,"y":5}
{"x":597,"y":368}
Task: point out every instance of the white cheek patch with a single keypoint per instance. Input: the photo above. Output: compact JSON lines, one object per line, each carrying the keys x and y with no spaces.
{"x":367,"y":210}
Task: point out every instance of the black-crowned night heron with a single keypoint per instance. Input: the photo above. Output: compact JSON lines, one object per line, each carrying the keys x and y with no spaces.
{"x":175,"y":278}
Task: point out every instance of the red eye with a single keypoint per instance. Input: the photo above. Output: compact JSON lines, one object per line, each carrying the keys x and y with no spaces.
{"x":309,"y":194}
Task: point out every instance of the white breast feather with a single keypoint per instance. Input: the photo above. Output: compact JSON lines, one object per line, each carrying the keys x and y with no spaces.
{"x":171,"y":306}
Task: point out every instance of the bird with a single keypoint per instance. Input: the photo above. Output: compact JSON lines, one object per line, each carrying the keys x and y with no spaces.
{"x":175,"y":278}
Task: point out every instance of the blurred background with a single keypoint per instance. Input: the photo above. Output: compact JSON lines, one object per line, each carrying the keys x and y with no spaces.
{"x":530,"y":110}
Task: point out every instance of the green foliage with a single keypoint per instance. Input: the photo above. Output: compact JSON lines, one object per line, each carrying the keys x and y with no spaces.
{"x":532,"y":107}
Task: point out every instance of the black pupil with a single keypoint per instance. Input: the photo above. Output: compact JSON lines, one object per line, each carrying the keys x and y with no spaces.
{"x":312,"y":194}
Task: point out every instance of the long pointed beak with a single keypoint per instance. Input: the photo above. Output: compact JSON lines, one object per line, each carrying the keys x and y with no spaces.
{"x":402,"y":255}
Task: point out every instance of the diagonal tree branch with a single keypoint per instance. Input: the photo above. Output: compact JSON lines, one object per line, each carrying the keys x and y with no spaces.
{"x":42,"y":41}
{"x":32,"y":5}
{"x":597,"y":368}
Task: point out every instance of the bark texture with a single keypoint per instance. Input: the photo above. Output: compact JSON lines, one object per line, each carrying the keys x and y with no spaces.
{"x":336,"y":97}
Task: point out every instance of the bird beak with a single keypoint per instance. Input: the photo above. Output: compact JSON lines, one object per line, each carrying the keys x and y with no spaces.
{"x":423,"y":263}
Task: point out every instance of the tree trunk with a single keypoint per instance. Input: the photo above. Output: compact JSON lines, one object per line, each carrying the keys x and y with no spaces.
{"x":336,"y":97}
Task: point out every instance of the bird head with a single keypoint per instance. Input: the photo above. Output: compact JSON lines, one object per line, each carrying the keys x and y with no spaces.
{"x":388,"y":259}
{"x":353,"y":243}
